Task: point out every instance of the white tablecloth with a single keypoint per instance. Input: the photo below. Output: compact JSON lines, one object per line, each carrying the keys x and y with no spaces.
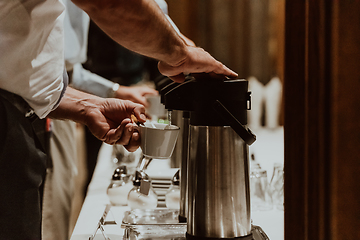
{"x":268,"y":149}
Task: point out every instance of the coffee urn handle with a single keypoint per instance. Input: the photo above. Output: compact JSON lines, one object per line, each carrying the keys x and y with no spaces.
{"x":244,"y":132}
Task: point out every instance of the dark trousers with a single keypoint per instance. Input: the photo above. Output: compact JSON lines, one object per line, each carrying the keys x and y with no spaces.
{"x":22,"y":171}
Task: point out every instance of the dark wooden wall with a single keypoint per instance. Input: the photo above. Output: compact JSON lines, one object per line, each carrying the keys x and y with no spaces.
{"x":322,"y":133}
{"x":245,"y":35}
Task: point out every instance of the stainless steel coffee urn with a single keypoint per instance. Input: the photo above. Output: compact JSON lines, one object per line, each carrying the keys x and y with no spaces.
{"x":217,"y":162}
{"x":179,"y":157}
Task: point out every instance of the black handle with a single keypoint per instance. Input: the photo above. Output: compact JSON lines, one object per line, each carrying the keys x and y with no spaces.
{"x":245,"y":133}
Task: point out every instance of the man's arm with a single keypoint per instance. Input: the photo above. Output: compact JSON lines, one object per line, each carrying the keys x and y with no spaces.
{"x":108,"y":119}
{"x":141,"y":26}
{"x":138,"y":25}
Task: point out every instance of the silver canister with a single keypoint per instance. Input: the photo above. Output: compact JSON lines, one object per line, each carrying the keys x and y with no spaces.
{"x":184,"y":169}
{"x":218,"y":183}
{"x":177,"y":119}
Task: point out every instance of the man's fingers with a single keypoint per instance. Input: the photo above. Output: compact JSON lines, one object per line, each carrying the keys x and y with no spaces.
{"x":126,"y":134}
{"x":139,"y":113}
{"x":178,"y":78}
{"x":113,"y":135}
{"x":224,"y":70}
{"x":199,"y":61}
{"x":134,"y":142}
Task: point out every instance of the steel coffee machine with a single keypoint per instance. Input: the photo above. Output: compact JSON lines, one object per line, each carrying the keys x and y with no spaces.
{"x":215,"y":163}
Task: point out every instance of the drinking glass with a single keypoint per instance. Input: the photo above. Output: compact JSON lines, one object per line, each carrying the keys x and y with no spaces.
{"x":277,"y":186}
{"x":259,"y":191}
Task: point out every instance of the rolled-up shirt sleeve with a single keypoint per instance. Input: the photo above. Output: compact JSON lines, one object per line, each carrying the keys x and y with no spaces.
{"x":31,"y":52}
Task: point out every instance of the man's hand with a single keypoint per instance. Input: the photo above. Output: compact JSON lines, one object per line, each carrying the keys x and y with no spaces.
{"x":111,"y":122}
{"x":197,"y":60}
{"x":108,"y":119}
{"x":135,"y":93}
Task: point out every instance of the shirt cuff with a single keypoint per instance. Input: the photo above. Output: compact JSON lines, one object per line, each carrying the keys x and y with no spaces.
{"x":65,"y":83}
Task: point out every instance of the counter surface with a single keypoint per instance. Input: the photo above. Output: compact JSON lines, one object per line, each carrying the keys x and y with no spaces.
{"x":268,"y":150}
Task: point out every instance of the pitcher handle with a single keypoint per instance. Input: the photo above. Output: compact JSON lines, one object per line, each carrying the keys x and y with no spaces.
{"x":244,"y":132}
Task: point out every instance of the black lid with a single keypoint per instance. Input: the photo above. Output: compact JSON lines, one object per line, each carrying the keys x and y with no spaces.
{"x":233,"y":94}
{"x":213,"y":101}
{"x":198,"y":94}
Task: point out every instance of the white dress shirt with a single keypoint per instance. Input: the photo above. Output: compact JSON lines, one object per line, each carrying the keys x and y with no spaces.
{"x":31,"y":51}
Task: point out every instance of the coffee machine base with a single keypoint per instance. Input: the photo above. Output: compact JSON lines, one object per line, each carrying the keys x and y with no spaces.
{"x":248,"y":237}
{"x":256,"y":234}
{"x":132,"y":233}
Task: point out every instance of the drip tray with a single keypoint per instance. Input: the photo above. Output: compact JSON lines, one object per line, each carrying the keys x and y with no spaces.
{"x":172,"y":232}
{"x":155,"y":232}
{"x":153,"y":224}
{"x":163,"y":224}
{"x":150,"y":217}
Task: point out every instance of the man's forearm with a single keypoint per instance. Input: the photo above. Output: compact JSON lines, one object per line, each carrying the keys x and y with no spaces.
{"x":73,"y":106}
{"x":127,"y":22}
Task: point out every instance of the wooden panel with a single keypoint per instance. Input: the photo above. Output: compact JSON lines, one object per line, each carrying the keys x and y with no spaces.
{"x":178,"y":9}
{"x":203,"y":29}
{"x":345,"y":119}
{"x":259,"y":45}
{"x":322,"y":134}
{"x":306,"y":113}
{"x":294,"y":120}
{"x":277,"y":36}
{"x":221,"y":22}
{"x":317,"y":115}
{"x":221,"y":27}
{"x":277,"y":21}
{"x":239,"y":38}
